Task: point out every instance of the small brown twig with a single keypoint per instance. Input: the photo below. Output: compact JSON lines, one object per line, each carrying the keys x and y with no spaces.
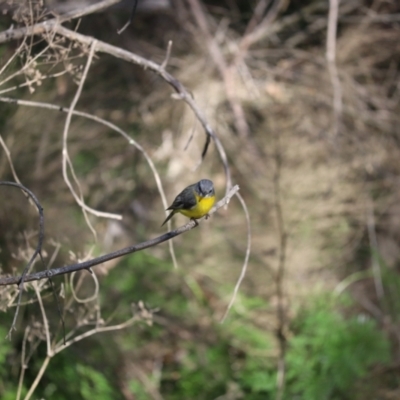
{"x":280,"y":275}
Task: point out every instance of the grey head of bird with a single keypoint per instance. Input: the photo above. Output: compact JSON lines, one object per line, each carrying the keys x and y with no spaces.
{"x":205,"y":188}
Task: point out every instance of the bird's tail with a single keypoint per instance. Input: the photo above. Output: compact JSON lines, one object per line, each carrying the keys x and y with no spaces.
{"x":171,"y":214}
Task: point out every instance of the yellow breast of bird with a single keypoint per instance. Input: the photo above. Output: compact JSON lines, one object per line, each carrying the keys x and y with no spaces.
{"x":204,"y":205}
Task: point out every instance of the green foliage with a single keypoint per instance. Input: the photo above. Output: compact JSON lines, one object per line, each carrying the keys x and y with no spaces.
{"x":203,"y":373}
{"x":211,"y":357}
{"x":8,"y":389}
{"x":93,"y":384}
{"x":85,"y":161}
{"x":391,"y":300}
{"x":256,"y":374}
{"x":327,"y":356}
{"x":68,"y":378}
{"x":137,"y":389}
{"x":329,"y":353}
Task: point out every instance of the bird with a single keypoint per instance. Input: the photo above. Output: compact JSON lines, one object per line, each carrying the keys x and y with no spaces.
{"x":193,"y":202}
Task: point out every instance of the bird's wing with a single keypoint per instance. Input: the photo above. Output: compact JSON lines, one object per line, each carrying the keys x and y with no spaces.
{"x":185,"y":200}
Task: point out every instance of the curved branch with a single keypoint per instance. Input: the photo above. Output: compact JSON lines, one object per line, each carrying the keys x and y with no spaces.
{"x":182,"y":92}
{"x":54,"y":26}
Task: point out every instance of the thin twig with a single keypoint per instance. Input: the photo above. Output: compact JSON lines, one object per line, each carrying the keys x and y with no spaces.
{"x":281,"y":313}
{"x":23,"y":362}
{"x":45,"y":320}
{"x":332,"y":67}
{"x":167,"y":56}
{"x":373,"y":243}
{"x":94,"y":296}
{"x":135,"y":3}
{"x":246,"y":258}
{"x":63,"y":345}
{"x":81,"y":12}
{"x":38,"y":250}
{"x":15,"y":54}
{"x":264,"y":28}
{"x":255,"y":19}
{"x":169,"y":224}
{"x":32,"y":81}
{"x":30,"y":61}
{"x":38,"y":378}
{"x":58,"y":306}
{"x":67,"y":161}
{"x":93,"y":331}
{"x":8,"y":155}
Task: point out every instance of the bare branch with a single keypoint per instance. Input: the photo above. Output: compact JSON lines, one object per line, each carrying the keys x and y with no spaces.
{"x":119,"y":253}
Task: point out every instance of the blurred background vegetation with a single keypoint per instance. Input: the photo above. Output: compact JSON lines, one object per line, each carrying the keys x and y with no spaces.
{"x":317,"y":316}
